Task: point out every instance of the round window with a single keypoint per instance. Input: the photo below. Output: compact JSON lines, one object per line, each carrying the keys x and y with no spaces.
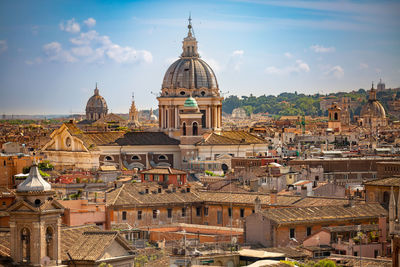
{"x":203,"y":93}
{"x":182,"y":93}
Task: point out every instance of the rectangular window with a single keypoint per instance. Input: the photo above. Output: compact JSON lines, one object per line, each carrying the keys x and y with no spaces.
{"x":166,"y":178}
{"x":156,"y":177}
{"x":146,"y":177}
{"x":308,"y":231}
{"x":155,"y":214}
{"x":219,"y":217}
{"x":183,"y":212}
{"x":198,"y":211}
{"x":291,"y":234}
{"x":241,"y":213}
{"x":124,"y":215}
{"x":205,"y":211}
{"x":169,"y":213}
{"x":139,"y":215}
{"x":229,"y":212}
{"x":178,"y":178}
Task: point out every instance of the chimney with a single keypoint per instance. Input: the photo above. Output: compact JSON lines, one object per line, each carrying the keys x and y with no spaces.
{"x":351,"y":201}
{"x":257,"y":205}
{"x":273,"y":196}
{"x":303,"y":191}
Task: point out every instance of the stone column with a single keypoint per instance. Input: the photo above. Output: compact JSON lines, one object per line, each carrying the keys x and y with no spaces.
{"x":208,"y":116}
{"x":220,"y":117}
{"x":215,"y":109}
{"x":160,"y":117}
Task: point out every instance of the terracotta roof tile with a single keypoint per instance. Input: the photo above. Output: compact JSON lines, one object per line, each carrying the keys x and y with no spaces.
{"x":391,"y":181}
{"x":324,"y":213}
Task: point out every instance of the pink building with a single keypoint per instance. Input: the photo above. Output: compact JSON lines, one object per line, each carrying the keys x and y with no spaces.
{"x":81,"y":212}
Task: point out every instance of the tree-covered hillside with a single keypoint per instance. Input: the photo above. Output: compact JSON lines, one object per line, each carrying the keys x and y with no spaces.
{"x":298,"y":104}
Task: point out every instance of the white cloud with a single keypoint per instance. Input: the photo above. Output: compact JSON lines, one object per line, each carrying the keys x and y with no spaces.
{"x":336,"y":71}
{"x":363,"y":66}
{"x":238,"y":53}
{"x":90,"y":22}
{"x":70,"y":26}
{"x":127,"y":54}
{"x":322,"y":49}
{"x":55,"y":52}
{"x":90,"y":46}
{"x":288,"y":55}
{"x":82,"y":51}
{"x":3,"y":46}
{"x":236,"y":60}
{"x":298,"y":67}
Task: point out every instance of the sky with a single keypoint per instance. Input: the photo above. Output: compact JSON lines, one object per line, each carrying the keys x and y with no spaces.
{"x":53,"y":52}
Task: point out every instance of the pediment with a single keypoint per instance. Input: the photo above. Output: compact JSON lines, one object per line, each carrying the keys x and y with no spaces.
{"x":21,"y":205}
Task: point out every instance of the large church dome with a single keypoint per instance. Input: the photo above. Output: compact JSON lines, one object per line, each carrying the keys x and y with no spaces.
{"x":373,"y":108}
{"x":189,"y":71}
{"x":96,"y":106}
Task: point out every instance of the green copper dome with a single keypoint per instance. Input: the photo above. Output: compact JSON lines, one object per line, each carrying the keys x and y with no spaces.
{"x":190,"y":102}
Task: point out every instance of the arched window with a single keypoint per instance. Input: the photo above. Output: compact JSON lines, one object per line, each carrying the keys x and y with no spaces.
{"x":162,"y":157}
{"x":336,"y":116}
{"x":184,"y":128}
{"x":49,"y":242}
{"x":195,"y":128}
{"x":108,"y":158}
{"x":135,"y":157}
{"x":26,"y":245}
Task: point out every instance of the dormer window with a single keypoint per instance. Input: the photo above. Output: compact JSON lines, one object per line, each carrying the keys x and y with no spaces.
{"x":162,"y":157}
{"x":108,"y":158}
{"x":135,"y":157}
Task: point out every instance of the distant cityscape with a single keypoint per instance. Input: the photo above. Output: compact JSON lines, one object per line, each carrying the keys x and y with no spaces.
{"x":205,"y":179}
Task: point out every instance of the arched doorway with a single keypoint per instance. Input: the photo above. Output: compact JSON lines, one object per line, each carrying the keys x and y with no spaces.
{"x":49,"y":242}
{"x":25,"y":245}
{"x":195,"y":128}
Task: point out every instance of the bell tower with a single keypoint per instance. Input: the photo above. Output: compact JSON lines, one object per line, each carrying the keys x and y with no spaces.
{"x":334,"y":118}
{"x":35,"y":223}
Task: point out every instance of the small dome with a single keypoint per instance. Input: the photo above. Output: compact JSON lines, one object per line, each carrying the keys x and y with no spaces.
{"x":96,"y":106}
{"x":190,"y":103}
{"x":34,"y":182}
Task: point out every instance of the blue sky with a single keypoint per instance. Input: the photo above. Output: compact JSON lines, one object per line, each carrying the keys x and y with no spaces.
{"x":53,"y":52}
